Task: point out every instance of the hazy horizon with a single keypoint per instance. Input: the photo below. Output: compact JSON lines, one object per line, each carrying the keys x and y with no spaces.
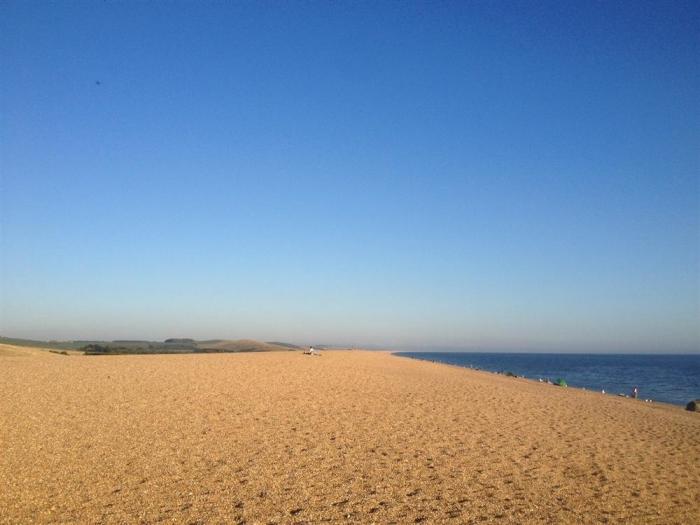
{"x":482,"y":175}
{"x":490,"y":347}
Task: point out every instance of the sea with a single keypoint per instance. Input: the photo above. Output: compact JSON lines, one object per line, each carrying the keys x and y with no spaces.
{"x":667,"y":378}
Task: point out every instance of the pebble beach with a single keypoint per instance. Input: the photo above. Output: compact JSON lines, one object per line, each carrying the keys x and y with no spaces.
{"x":345,"y":437}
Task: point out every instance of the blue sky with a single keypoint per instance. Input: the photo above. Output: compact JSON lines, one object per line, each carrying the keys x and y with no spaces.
{"x":497,"y":175}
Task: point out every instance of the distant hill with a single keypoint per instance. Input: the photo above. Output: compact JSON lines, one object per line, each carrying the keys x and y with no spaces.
{"x":286,"y":345}
{"x":241,"y":345}
{"x":170,"y":346}
{"x":55,"y":345}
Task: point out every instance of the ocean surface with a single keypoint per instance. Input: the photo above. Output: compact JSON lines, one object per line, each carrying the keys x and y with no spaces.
{"x":668,"y":378}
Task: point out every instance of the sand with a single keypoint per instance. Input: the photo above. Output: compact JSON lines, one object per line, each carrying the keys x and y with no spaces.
{"x":362,"y":437}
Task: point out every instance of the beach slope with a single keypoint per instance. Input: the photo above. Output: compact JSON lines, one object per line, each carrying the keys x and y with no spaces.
{"x":346,"y":437}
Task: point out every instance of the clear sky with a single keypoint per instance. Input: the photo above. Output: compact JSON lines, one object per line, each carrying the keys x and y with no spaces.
{"x":520,"y":175}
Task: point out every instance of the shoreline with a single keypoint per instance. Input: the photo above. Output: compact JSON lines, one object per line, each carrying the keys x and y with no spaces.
{"x":541,"y":381}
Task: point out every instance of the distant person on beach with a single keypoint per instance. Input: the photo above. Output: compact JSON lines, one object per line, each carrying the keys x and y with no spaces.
{"x":635,"y":392}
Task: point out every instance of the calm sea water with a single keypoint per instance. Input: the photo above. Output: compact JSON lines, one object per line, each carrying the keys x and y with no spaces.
{"x":668,"y":378}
